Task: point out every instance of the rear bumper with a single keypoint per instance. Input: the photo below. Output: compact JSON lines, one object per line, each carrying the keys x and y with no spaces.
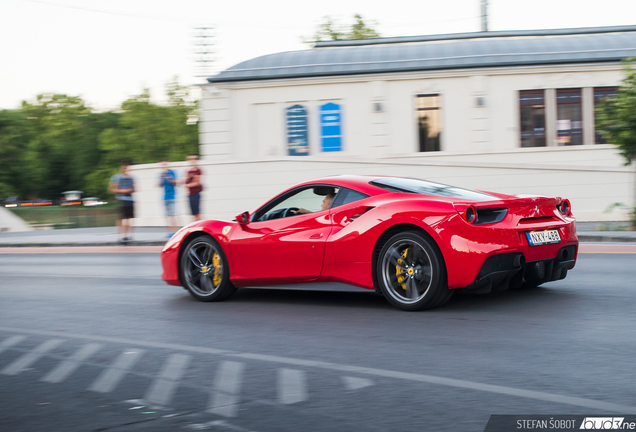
{"x":511,"y":270}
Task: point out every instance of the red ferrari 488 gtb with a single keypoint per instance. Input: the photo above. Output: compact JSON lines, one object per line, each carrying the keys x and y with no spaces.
{"x":414,"y":241}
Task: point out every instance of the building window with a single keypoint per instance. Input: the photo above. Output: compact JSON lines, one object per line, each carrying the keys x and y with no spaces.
{"x":600,"y":94}
{"x":532,"y":109}
{"x":297,"y":135}
{"x":569,"y":117}
{"x":429,"y":122}
{"x":331,"y":127}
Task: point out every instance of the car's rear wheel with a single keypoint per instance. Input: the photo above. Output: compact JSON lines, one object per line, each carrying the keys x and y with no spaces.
{"x":204,"y":270}
{"x":411,"y":273}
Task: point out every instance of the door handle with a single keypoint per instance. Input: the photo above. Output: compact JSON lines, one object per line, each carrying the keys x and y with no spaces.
{"x":315,"y":236}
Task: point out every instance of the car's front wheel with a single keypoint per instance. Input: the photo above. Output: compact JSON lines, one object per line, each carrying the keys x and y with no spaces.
{"x":204,"y":270}
{"x":411,"y":273}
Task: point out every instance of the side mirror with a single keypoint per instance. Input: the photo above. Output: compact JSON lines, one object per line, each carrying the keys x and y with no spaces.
{"x":243,"y":218}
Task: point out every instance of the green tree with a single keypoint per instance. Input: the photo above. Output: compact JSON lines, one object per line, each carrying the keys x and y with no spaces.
{"x":14,"y":137}
{"x":58,"y":143}
{"x":359,"y":30}
{"x":332,"y":30}
{"x":147,"y":132}
{"x":616,"y":117}
{"x":62,"y":144}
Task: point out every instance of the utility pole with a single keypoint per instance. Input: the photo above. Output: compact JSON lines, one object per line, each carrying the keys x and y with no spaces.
{"x":204,"y":52}
{"x":484,"y":15}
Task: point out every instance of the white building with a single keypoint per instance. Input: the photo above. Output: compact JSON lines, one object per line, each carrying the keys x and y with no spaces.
{"x":511,"y":112}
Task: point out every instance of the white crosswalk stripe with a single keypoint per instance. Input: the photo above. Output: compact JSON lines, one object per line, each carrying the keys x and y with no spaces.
{"x":108,"y":380}
{"x":355,"y":383}
{"x":163,"y":387}
{"x":227,"y":388}
{"x":11,"y":341}
{"x":29,"y":358}
{"x":68,"y":366}
{"x":292,"y":386}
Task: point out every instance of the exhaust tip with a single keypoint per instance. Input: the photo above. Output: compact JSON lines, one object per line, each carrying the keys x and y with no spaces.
{"x":564,"y":255}
{"x":519,"y":261}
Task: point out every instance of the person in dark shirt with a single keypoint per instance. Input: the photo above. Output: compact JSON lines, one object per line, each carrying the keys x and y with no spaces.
{"x":123,"y":185}
{"x":193,"y":183}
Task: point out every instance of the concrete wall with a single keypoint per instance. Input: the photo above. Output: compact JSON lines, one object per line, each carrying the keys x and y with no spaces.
{"x":233,"y":187}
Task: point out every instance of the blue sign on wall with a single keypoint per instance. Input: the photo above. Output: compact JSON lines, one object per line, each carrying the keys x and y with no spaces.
{"x":330,"y":127}
{"x":297,"y":136}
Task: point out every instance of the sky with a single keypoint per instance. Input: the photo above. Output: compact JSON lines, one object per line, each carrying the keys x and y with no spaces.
{"x":107,"y":51}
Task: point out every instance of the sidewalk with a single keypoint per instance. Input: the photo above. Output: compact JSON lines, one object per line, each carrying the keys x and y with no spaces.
{"x":156,"y":236}
{"x":146,"y":236}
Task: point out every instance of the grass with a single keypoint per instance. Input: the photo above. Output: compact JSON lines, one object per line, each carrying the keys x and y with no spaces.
{"x":69,"y":217}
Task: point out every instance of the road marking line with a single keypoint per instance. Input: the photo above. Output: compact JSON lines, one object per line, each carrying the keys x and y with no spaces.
{"x":450,"y":382}
{"x":29,"y":358}
{"x":111,"y":377}
{"x":227,"y":388}
{"x":292,"y":386}
{"x":68,"y":366}
{"x":355,"y":383}
{"x":164,"y":386}
{"x":95,"y":338}
{"x":11,"y":341}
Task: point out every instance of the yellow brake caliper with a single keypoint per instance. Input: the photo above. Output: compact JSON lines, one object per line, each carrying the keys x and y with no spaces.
{"x":218,"y":270}
{"x":401,"y":274}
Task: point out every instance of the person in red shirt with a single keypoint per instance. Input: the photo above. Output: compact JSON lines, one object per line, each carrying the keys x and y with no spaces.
{"x":193,"y":183}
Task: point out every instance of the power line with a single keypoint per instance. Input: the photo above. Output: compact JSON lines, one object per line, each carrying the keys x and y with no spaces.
{"x":226,"y":22}
{"x":128,"y":14}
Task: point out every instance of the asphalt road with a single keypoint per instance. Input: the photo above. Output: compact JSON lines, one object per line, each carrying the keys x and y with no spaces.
{"x":96,"y":342}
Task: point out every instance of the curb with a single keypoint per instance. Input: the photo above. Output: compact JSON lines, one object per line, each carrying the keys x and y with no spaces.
{"x":591,"y":238}
{"x":93,"y":244}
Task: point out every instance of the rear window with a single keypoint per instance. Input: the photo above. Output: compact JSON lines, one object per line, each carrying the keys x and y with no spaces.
{"x":423,"y":187}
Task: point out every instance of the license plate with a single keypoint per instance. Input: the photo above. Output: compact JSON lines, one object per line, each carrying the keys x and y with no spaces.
{"x":536,"y":238}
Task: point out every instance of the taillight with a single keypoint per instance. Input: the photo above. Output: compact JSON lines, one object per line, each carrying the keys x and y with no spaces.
{"x":565,"y":208}
{"x":470,"y":215}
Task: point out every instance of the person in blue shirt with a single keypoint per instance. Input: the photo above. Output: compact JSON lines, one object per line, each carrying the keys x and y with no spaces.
{"x":168,"y":182}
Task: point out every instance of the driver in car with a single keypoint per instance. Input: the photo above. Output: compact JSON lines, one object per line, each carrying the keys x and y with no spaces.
{"x":326,"y":202}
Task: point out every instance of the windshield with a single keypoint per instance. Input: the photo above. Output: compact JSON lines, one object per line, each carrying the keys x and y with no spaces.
{"x":423,"y":187}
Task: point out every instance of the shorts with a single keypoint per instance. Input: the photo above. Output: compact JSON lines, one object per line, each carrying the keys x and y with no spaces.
{"x":195,"y":201}
{"x":171,"y":208}
{"x":127,"y":209}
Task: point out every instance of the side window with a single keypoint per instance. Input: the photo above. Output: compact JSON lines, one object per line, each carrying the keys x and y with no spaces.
{"x":303,"y":201}
{"x":347,"y":196}
{"x":354,"y":196}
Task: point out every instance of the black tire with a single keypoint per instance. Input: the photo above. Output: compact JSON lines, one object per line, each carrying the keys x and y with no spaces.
{"x":204,"y":270}
{"x":411,"y":274}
